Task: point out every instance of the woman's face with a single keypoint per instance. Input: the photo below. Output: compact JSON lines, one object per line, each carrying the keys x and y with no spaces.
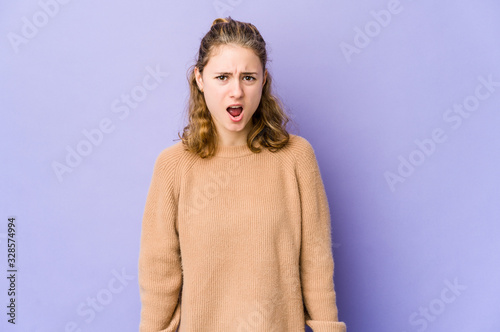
{"x":232,"y":76}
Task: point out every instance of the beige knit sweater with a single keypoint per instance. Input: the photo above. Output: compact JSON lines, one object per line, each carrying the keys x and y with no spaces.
{"x":237,"y":242}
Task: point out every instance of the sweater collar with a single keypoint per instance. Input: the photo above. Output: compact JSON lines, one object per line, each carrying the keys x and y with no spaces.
{"x":231,"y":151}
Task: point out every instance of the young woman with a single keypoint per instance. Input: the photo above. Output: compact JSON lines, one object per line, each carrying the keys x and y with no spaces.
{"x":236,"y":227}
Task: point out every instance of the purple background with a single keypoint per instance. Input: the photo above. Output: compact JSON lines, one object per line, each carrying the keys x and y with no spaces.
{"x":399,"y":248}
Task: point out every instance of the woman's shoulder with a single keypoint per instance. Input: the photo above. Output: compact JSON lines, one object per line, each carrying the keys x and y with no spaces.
{"x":298,"y":152}
{"x":301,"y":152}
{"x":172,"y":155}
{"x":299,"y":145}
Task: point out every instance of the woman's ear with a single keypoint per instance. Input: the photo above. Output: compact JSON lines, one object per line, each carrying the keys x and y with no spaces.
{"x":199,"y":79}
{"x":265,"y":78}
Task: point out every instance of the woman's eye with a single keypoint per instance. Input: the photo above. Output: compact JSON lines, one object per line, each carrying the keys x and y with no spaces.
{"x":224,"y":77}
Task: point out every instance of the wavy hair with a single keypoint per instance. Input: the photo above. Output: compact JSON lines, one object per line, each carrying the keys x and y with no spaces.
{"x":269,"y":120}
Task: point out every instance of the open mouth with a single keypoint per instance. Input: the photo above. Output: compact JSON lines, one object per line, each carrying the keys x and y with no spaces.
{"x":235,"y":111}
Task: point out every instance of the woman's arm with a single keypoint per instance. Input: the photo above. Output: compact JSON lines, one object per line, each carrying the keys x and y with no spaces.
{"x":160,"y":272}
{"x":316,"y":260}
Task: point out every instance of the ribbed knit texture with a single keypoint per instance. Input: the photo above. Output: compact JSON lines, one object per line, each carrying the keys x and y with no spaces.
{"x":237,"y":242}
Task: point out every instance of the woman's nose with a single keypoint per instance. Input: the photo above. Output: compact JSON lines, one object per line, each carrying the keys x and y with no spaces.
{"x":236,"y":88}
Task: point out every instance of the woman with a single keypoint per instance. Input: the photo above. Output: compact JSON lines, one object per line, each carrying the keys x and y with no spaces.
{"x":236,"y":227}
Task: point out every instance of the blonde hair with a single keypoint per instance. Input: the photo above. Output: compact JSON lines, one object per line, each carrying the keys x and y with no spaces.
{"x":269,"y":120}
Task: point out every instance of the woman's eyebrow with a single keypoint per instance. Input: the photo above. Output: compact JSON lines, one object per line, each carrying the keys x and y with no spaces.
{"x":245,"y":73}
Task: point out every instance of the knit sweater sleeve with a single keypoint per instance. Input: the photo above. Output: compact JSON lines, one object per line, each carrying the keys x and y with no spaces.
{"x":160,"y":272}
{"x":316,"y":259}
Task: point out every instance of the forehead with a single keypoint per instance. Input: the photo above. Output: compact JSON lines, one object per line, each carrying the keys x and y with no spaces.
{"x":233,"y":57}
